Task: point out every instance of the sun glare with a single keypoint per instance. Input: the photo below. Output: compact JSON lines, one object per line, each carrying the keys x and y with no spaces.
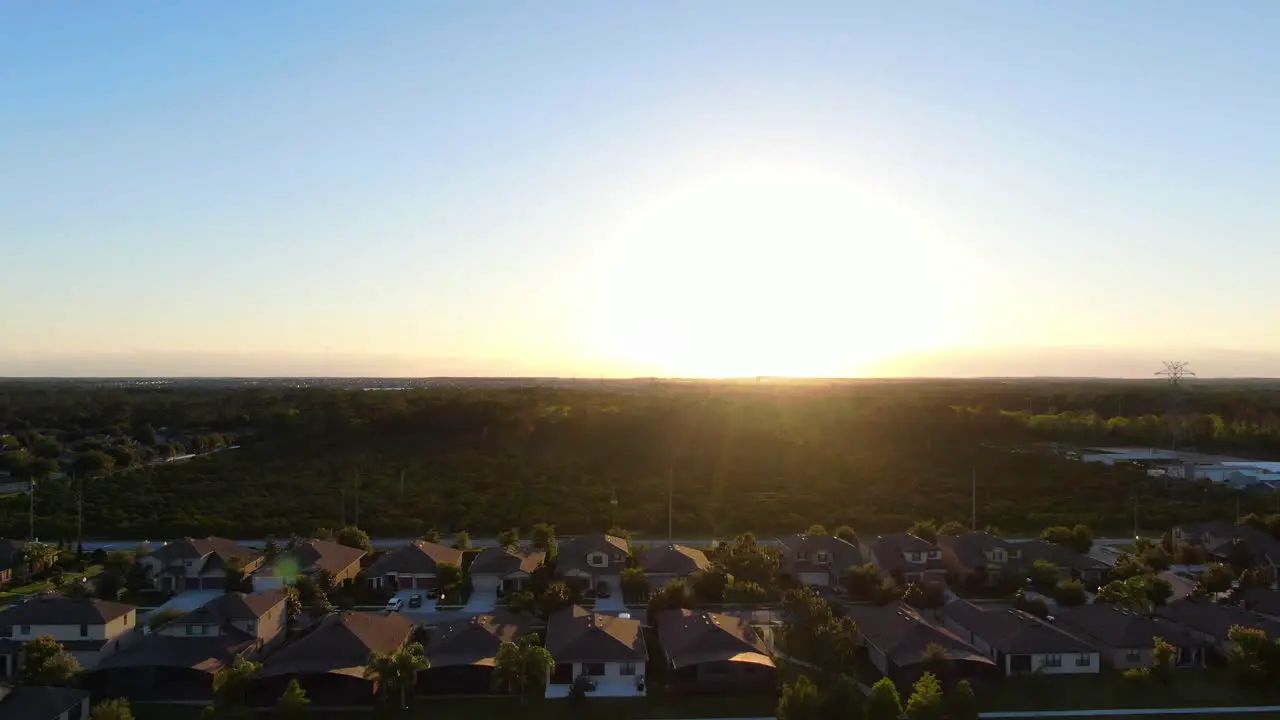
{"x":768,"y":271}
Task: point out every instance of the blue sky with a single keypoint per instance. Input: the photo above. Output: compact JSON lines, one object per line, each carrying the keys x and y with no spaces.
{"x":671,"y":188}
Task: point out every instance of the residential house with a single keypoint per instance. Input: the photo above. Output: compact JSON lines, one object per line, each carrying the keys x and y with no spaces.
{"x":820,"y":560}
{"x":307,"y":558}
{"x":908,"y":558}
{"x":1263,"y":601}
{"x":1230,"y":543}
{"x":1071,"y":564}
{"x":1126,"y":638}
{"x":25,"y":702}
{"x":89,"y":629}
{"x":608,"y":649}
{"x":330,"y":661}
{"x":1019,"y":642}
{"x":10,"y":557}
{"x":895,"y":637}
{"x":462,"y":653}
{"x":979,"y":557}
{"x":589,"y":560}
{"x":198,"y":563}
{"x":179,"y":659}
{"x":503,"y":570}
{"x":714,"y":652}
{"x":1211,"y":622}
{"x":412,"y":566}
{"x":664,"y":563}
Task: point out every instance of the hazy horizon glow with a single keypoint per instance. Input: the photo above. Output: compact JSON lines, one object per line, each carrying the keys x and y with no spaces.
{"x":699,"y":190}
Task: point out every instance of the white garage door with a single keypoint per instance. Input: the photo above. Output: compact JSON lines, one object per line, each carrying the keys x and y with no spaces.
{"x":814,"y":578}
{"x":489,"y":584}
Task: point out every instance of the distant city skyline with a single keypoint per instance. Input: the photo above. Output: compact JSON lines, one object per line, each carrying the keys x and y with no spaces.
{"x":712,"y":189}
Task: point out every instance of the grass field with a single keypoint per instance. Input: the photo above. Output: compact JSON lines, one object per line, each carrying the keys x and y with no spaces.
{"x":1190,"y":688}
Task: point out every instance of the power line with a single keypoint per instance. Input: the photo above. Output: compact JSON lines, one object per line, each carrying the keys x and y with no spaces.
{"x":1174,"y":372}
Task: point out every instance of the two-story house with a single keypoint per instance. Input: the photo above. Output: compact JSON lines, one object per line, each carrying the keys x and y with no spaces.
{"x":260,"y":617}
{"x":198,"y":563}
{"x":589,"y":560}
{"x":412,"y":566}
{"x":908,"y":558}
{"x":978,"y":555}
{"x":820,"y":560}
{"x":1021,"y":643}
{"x":25,"y":702}
{"x":306,"y":559}
{"x":607,"y":649}
{"x":89,"y":629}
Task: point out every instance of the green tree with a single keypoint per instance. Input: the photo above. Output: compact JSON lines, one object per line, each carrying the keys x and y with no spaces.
{"x":926,"y":701}
{"x":846,"y":533}
{"x":884,"y":703}
{"x":556,"y":596}
{"x":462,"y":540}
{"x":1157,"y":558}
{"x":816,"y":530}
{"x":1159,"y":590}
{"x":46,"y":662}
{"x":747,"y":560}
{"x":544,"y":538}
{"x":934,"y":659}
{"x":1078,"y":538}
{"x":1217,"y":578}
{"x":449,"y":575}
{"x":40,"y":555}
{"x":1071,"y":593}
{"x":236,"y":580}
{"x":324,"y":533}
{"x":231,"y":687}
{"x":522,"y":668}
{"x":799,"y":701}
{"x":745,"y":592}
{"x":1043,"y":575}
{"x":675,"y":594}
{"x":962,"y":704}
{"x":432,"y":536}
{"x":951,"y":527}
{"x":635,"y":584}
{"x":863,"y":582}
{"x":353,"y":537}
{"x":93,"y":462}
{"x":925,"y":530}
{"x":1253,"y":657}
{"x":1133,"y":593}
{"x":46,"y":447}
{"x":709,"y":584}
{"x":1164,"y":658}
{"x":1035,"y":606}
{"x":395,"y":673}
{"x":293,"y":702}
{"x":117,"y":709}
{"x":509,"y":538}
{"x":292,"y":606}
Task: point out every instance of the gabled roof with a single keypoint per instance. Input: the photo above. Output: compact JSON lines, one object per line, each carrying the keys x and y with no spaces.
{"x":9,"y":550}
{"x":417,"y":558}
{"x":1013,"y":631}
{"x":1260,"y":600}
{"x":311,"y":556}
{"x":575,"y":634}
{"x":505,"y":561}
{"x":672,"y":560}
{"x":1120,"y":628}
{"x":899,"y":632}
{"x":844,"y":554}
{"x":196,"y":548}
{"x":232,"y":606}
{"x":341,"y":645}
{"x":572,"y":553}
{"x":206,"y":654}
{"x":61,"y":610}
{"x":1215,"y":619}
{"x":474,"y":640}
{"x":890,"y":549}
{"x":690,"y":637}
{"x":27,"y":702}
{"x":1033,"y":550}
{"x":970,"y":549}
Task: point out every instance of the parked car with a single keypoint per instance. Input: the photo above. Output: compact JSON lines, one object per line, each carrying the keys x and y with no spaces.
{"x":415,"y":600}
{"x":433,"y":593}
{"x":602,"y":589}
{"x":394,"y":604}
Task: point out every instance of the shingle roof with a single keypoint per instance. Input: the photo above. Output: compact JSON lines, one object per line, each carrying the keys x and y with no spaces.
{"x":40,"y":703}
{"x":844,"y":555}
{"x":1215,"y":619}
{"x":1260,"y":600}
{"x":311,"y":556}
{"x":672,"y":560}
{"x":418,"y":558}
{"x":1121,"y":628}
{"x":572,"y":553}
{"x":474,"y":640}
{"x":902,"y":635}
{"x":690,"y":637}
{"x":233,"y":606}
{"x":1033,"y":550}
{"x":193,"y":548}
{"x":340,"y":645}
{"x":9,"y":550}
{"x":1014,"y":631}
{"x":575,"y":634}
{"x":205,"y":654}
{"x":60,"y":610}
{"x":889,"y":551}
{"x":505,"y":561}
{"x":970,"y":549}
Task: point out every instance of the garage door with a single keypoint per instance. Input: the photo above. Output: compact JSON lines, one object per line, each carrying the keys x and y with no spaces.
{"x":814,"y":578}
{"x":487,"y":584}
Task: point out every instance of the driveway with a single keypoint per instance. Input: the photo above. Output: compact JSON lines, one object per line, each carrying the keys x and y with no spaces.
{"x":416,"y":614}
{"x":482,"y":600}
{"x":614,"y":602}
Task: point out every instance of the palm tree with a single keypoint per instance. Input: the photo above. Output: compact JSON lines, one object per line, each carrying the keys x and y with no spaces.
{"x":40,"y":555}
{"x":516,"y":668}
{"x":397,"y":670}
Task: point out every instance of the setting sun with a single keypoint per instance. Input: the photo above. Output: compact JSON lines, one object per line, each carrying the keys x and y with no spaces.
{"x":769,"y":271}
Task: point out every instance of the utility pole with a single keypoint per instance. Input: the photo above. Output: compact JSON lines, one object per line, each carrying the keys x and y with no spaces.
{"x":973,"y":523}
{"x":670,"y":536}
{"x":31,"y":495}
{"x":1135,"y":517}
{"x":357,"y":498}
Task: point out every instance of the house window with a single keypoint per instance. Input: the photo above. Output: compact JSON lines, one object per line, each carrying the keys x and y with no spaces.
{"x":251,"y":627}
{"x":1133,"y":655}
{"x":593,"y":669}
{"x":913,"y":557}
{"x":802,"y":555}
{"x":186,"y":563}
{"x":935,"y":555}
{"x":84,"y":631}
{"x":1053,"y":660}
{"x":824,"y":558}
{"x":597,"y":559}
{"x":628,"y":668}
{"x":26,"y":629}
{"x":195,"y":629}
{"x":1084,"y":660}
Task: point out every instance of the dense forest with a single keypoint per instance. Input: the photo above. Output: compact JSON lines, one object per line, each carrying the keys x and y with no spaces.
{"x":766,"y":457}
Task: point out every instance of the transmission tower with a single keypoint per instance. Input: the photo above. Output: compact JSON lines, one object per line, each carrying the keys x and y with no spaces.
{"x":1174,"y":371}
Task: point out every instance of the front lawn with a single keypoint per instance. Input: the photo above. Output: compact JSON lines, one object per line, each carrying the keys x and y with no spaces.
{"x":1188,"y":688}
